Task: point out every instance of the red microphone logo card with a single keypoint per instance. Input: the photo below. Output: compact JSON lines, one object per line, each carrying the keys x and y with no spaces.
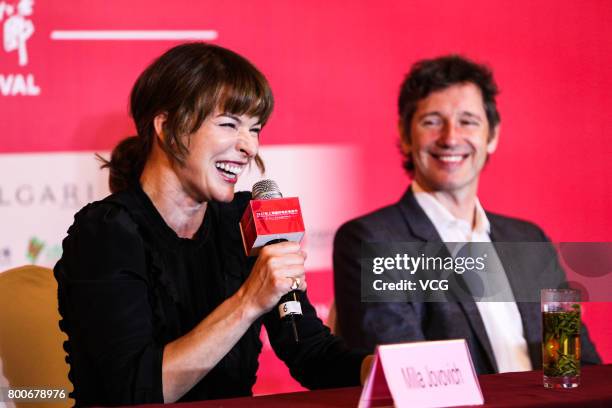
{"x":267,"y":220}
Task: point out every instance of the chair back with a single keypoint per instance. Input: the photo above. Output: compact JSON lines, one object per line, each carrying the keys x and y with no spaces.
{"x":31,"y":342}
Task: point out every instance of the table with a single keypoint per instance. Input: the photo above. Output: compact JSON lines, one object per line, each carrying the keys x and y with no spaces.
{"x":507,"y":390}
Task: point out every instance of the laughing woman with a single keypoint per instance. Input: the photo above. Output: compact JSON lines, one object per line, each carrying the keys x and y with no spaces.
{"x":159,"y":301}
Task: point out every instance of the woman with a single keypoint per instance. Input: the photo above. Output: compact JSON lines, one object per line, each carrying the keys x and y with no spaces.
{"x":158,"y":299}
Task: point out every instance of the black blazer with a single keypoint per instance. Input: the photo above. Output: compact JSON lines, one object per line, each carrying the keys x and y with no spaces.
{"x":365,"y":325}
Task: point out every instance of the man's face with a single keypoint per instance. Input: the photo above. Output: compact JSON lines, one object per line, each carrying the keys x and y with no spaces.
{"x":449,"y":139}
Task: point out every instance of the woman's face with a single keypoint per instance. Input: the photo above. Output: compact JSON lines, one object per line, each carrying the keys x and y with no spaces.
{"x":218,"y":153}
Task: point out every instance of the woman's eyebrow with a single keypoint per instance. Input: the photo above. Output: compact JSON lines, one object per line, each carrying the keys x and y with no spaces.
{"x":230,"y":116}
{"x":237,"y":119}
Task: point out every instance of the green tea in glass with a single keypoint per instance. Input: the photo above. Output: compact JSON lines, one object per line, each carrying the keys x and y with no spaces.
{"x":561,"y":337}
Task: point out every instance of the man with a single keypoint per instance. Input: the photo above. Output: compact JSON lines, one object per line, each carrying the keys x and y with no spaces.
{"x":449,"y":126}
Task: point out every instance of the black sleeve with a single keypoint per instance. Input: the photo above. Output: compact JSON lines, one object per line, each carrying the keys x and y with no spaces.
{"x":367,"y":324}
{"x":319,"y":360}
{"x":104,"y":301}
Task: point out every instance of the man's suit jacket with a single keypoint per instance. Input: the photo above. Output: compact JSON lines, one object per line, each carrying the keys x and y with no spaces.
{"x":364,"y":325}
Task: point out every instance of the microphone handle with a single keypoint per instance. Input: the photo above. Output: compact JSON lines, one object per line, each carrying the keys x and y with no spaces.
{"x":289,"y":306}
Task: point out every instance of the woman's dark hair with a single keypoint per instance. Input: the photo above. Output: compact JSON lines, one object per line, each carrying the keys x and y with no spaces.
{"x":431,"y":75}
{"x":186,"y":84}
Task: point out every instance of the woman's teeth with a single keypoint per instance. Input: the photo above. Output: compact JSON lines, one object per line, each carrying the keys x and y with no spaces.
{"x":230,"y":170}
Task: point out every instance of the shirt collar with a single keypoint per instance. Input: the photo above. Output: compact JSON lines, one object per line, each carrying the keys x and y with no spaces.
{"x":441,"y":216}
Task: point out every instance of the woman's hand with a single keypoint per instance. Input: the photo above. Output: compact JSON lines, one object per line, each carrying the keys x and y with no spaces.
{"x":278,"y":268}
{"x":189,"y":358}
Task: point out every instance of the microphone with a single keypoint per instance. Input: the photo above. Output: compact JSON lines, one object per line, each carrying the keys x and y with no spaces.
{"x":269,"y":216}
{"x":268,"y":219}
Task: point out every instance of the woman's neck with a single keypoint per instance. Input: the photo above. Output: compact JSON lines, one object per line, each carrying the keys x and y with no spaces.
{"x":179,"y":210}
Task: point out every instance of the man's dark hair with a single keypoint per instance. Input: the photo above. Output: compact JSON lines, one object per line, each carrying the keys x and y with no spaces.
{"x":431,"y":75}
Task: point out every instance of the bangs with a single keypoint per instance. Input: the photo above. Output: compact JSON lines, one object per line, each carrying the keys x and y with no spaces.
{"x":246,"y":94}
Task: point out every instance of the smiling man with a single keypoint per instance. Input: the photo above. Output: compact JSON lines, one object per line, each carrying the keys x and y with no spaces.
{"x":449,"y":126}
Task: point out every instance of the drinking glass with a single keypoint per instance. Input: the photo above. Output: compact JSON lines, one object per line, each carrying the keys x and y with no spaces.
{"x":561,"y":337}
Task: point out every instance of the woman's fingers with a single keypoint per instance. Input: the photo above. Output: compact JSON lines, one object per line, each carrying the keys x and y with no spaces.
{"x":295,"y":278}
{"x":280,"y":248}
{"x":281,"y":261}
{"x":279,"y":269}
{"x":289,"y":278}
{"x":282,"y":255}
{"x":297,"y":283}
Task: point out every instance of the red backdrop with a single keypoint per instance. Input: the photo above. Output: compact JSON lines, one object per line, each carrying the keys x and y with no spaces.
{"x":335,"y":67}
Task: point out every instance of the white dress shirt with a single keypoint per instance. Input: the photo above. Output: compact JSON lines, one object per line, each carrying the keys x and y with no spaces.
{"x":502,"y":320}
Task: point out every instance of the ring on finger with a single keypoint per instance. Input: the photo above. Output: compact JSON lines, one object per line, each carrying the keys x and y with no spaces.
{"x":296,"y":283}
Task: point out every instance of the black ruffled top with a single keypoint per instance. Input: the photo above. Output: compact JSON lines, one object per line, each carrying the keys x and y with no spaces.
{"x":128,"y":285}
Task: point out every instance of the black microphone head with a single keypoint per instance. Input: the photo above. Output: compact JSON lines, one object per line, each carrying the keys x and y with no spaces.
{"x":266,"y":190}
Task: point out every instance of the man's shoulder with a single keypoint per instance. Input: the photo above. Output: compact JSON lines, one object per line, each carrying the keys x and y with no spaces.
{"x":372,"y":223}
{"x":507,"y":228}
{"x":386,"y":214}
